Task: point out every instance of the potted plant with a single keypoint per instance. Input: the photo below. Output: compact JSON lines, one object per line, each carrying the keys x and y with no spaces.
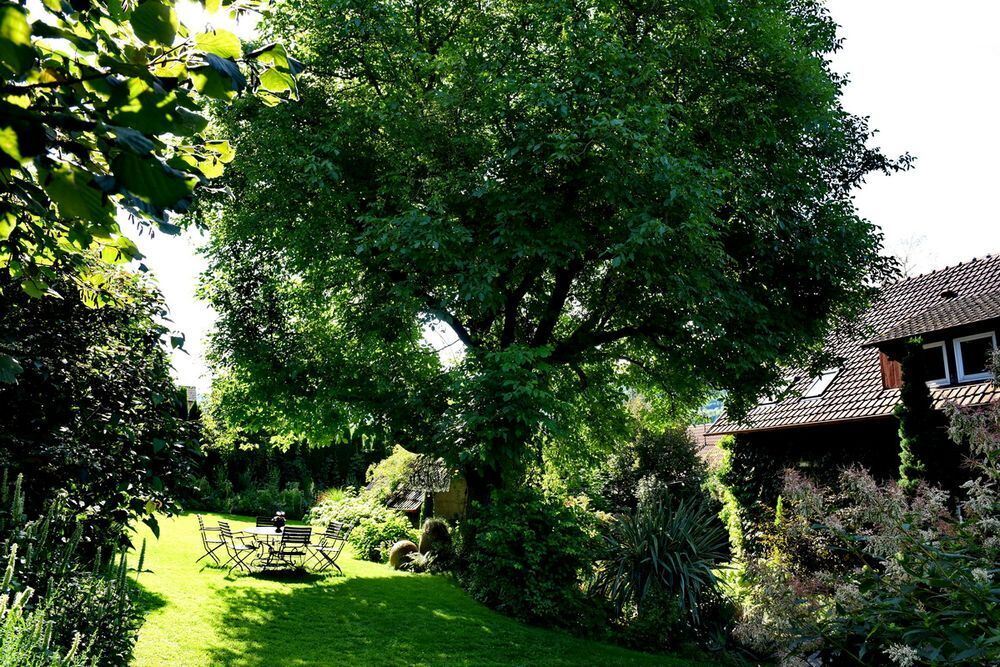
{"x":279,"y":520}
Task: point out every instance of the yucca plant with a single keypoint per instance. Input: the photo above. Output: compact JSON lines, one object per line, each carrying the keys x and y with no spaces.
{"x":662,"y":548}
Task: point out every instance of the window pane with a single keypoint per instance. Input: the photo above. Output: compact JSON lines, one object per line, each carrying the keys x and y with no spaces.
{"x":820,"y":384}
{"x":976,"y":355}
{"x":934,"y":363}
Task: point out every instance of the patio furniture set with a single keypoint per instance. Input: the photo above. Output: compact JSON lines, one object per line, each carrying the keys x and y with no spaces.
{"x":268,"y":547}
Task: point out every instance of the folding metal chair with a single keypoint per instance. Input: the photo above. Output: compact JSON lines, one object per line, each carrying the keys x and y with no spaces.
{"x":240,"y":549}
{"x":210,"y":540}
{"x":294,"y":545}
{"x":263,"y":521}
{"x":328,"y":549}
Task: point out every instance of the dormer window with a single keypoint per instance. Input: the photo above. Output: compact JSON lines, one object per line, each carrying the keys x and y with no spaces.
{"x":972,"y":356}
{"x":936,"y":365}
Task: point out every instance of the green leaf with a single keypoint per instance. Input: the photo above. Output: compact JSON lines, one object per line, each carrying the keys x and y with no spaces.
{"x":134,"y":140}
{"x":152,"y":181}
{"x":218,"y":78}
{"x":220,"y":42}
{"x":77,"y":196}
{"x":223,"y":149}
{"x":189,"y":123}
{"x":154,"y":527}
{"x":21,"y":139}
{"x":155,"y":23}
{"x":16,"y":53}
{"x":8,"y":221}
{"x":9,"y":369}
{"x":277,"y":82}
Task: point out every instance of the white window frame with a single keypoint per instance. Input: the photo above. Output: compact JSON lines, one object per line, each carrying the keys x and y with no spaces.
{"x":830,"y":373}
{"x":962,"y":377}
{"x":946,"y":380}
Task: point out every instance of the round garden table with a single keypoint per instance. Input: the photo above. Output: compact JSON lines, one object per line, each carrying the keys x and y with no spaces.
{"x":263,"y":531}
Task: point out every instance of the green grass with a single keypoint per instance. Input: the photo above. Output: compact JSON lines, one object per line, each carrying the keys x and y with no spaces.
{"x":371,"y":616}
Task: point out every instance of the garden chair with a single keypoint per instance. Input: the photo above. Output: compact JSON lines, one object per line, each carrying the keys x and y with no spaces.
{"x":240,"y":549}
{"x":264,"y":521}
{"x":210,"y":541}
{"x":326,"y":552}
{"x":294,"y":545}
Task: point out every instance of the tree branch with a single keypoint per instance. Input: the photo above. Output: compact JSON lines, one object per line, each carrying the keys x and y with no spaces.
{"x":557,"y":299}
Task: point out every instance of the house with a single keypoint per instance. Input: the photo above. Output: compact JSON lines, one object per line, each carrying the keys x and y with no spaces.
{"x":847,"y":411}
{"x":707,"y":444}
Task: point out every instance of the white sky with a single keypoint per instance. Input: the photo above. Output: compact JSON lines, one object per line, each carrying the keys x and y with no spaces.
{"x":925,"y":71}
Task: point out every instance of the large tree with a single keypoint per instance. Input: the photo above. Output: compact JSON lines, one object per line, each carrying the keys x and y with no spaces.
{"x":596,"y":196}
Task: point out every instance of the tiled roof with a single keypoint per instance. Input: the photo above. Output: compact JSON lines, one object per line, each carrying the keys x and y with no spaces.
{"x":405,"y":500}
{"x":856,"y":392}
{"x":953,"y":312}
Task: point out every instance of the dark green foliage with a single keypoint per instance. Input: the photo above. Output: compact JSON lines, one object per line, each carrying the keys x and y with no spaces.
{"x":752,"y":472}
{"x":374,"y":535}
{"x":95,"y":414}
{"x":98,"y":607}
{"x":435,"y":537}
{"x":530,"y":556}
{"x":665,"y":550}
{"x":752,"y":476}
{"x":667,"y":459}
{"x":593,"y":196}
{"x":659,"y":624}
{"x":76,"y":593}
{"x":258,"y":478}
{"x":926,"y":451}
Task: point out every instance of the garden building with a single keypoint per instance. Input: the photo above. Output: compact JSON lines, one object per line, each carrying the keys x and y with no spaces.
{"x":845,"y":414}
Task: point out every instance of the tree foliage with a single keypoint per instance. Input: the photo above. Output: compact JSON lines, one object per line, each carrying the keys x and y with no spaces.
{"x":926,"y":451}
{"x":593,"y":195}
{"x":95,"y":415}
{"x":100,"y":118}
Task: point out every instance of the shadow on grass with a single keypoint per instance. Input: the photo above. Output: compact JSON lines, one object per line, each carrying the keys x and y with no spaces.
{"x":391,"y":620}
{"x":146,"y":601}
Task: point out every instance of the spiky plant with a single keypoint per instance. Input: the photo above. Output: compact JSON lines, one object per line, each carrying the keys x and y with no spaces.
{"x":662,"y":548}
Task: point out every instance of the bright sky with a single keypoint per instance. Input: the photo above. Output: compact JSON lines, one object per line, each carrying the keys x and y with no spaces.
{"x":926,"y":72}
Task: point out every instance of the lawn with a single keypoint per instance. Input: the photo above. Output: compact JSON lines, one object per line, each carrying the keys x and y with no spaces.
{"x":371,"y":616}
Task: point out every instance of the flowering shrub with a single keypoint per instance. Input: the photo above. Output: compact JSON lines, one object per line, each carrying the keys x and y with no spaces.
{"x":904,"y":576}
{"x":375,"y":526}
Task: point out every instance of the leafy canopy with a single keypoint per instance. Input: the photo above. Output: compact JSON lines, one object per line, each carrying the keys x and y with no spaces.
{"x":594,"y":195}
{"x":100,"y":116}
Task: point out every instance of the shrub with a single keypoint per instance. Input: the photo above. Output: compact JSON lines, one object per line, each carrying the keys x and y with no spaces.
{"x":400,"y":552}
{"x":926,"y":452}
{"x":657,"y":625}
{"x":100,"y":609}
{"x":25,"y":636}
{"x":373,"y":535}
{"x":664,"y":459}
{"x":913,"y":582}
{"x":95,"y":414}
{"x":75,"y":596}
{"x":525,"y":554}
{"x":435,"y":537}
{"x":662,"y":551}
{"x":292,"y":500}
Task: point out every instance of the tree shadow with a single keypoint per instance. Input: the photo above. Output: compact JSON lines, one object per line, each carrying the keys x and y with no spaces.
{"x":146,"y":601}
{"x":388,"y":621}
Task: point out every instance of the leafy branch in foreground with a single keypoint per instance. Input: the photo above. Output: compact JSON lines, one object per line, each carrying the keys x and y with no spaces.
{"x":99,"y":117}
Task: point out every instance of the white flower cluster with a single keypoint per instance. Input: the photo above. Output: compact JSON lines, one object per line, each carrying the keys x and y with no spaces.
{"x":902,"y":655}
